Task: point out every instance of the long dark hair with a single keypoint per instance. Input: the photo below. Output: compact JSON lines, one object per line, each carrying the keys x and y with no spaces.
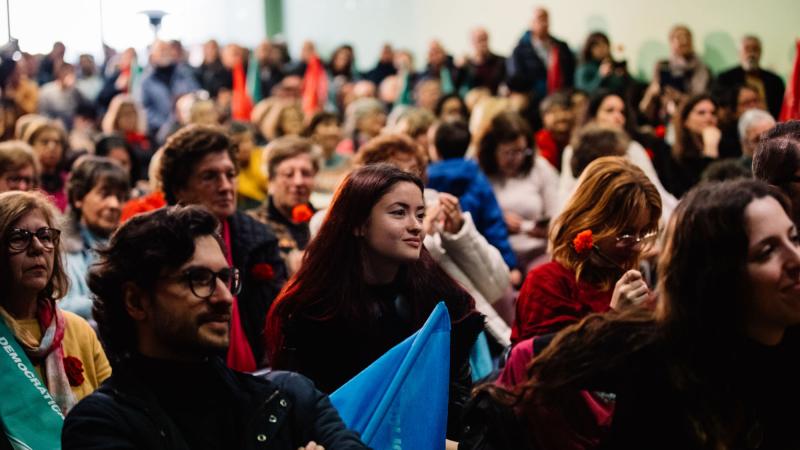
{"x":593,"y":39}
{"x":688,"y":144}
{"x":698,"y":322}
{"x":330,"y":283}
{"x":596,"y":100}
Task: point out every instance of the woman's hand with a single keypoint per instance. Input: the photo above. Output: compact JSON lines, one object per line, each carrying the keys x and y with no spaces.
{"x":513,"y":222}
{"x":711,"y":137}
{"x":515,"y":276}
{"x":433,"y":215}
{"x":451,"y":210}
{"x":312,"y":446}
{"x":631,"y":289}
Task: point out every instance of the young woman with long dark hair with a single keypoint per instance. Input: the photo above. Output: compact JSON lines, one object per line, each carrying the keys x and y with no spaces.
{"x":366,"y":284}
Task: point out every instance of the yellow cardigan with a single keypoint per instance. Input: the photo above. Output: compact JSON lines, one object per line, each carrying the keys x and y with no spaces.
{"x":80,"y":341}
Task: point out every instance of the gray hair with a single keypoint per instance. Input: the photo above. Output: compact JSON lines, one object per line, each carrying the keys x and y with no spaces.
{"x":752,"y":117}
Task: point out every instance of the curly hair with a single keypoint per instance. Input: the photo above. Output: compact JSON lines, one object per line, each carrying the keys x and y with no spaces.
{"x":140,"y":253}
{"x":185,"y":149}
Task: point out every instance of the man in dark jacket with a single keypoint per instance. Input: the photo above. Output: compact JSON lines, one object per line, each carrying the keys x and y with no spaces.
{"x":164,"y":295}
{"x":769,"y":85}
{"x":546,"y":63}
{"x":198,"y":167}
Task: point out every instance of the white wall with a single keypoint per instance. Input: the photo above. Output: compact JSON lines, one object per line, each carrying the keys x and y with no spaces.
{"x":640,"y":26}
{"x":38,"y":23}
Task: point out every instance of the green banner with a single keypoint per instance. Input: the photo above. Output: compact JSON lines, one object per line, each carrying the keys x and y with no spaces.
{"x":29,"y":416}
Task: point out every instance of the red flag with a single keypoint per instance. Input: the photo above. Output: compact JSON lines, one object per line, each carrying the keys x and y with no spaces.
{"x":791,"y":101}
{"x":241,"y":104}
{"x":315,"y":87}
{"x":554,"y":78}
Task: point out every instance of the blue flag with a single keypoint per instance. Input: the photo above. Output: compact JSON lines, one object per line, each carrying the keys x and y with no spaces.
{"x":400,"y":400}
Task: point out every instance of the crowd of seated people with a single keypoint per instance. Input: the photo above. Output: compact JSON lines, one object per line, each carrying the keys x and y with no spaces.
{"x":607,"y":246}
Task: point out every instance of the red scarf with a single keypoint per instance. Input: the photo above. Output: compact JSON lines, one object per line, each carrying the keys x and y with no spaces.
{"x":240,"y":355}
{"x":555,"y":80}
{"x":241,"y":103}
{"x":548,"y":148}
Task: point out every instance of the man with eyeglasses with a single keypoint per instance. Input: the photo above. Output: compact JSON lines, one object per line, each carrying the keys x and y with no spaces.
{"x":163,"y":301}
{"x":18,"y":170}
{"x":198,"y":168}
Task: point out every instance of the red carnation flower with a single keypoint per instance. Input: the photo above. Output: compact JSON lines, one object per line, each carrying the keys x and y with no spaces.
{"x":583,"y":242}
{"x":263,"y":272}
{"x":302,"y":213}
{"x":74,"y":369}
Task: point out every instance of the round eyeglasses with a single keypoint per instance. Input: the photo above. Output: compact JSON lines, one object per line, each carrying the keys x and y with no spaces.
{"x":203,"y":281}
{"x":19,"y":239}
{"x":630,"y":240}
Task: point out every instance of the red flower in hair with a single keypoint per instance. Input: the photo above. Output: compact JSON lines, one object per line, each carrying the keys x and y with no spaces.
{"x":262,"y":272}
{"x":583,"y":242}
{"x":74,"y":370}
{"x":302,"y":213}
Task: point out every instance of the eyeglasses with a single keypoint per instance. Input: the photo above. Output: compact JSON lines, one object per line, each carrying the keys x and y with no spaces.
{"x":19,"y":240}
{"x":630,"y":240}
{"x":203,"y":281}
{"x":514,"y":152}
{"x":16,"y":180}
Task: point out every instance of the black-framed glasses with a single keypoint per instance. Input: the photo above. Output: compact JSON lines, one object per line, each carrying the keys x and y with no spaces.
{"x":19,"y":240}
{"x":629,"y":240}
{"x":203,"y":281}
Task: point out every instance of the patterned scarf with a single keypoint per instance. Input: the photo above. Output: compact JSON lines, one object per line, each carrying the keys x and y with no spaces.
{"x":48,"y":354}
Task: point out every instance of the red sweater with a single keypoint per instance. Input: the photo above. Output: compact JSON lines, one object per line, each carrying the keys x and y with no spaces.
{"x":551,"y":298}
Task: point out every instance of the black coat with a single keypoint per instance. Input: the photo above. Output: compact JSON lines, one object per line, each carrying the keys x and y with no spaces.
{"x":525,"y":64}
{"x":773,"y":86}
{"x":254,"y":243}
{"x":281,"y":410}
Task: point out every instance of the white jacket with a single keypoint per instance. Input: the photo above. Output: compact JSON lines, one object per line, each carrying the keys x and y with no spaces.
{"x":479,"y":267}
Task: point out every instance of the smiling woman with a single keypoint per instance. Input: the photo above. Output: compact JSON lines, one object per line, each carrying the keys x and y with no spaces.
{"x":367,"y":283}
{"x":61,"y":346}
{"x":718,"y":354}
{"x":97,"y":189}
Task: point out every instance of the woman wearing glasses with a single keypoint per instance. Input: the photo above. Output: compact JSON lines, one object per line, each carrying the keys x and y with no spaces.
{"x":525,"y":184}
{"x":614,"y":216}
{"x":50,"y":358}
{"x":713,"y":366}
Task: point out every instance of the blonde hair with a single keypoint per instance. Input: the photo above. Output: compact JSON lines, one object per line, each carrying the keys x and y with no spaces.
{"x":109,"y":123}
{"x":270,"y":123}
{"x":480,"y":121}
{"x":14,"y":205}
{"x":15,"y":155}
{"x":610,"y":194}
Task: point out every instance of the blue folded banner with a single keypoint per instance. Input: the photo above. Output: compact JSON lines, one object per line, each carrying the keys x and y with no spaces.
{"x":400,"y":400}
